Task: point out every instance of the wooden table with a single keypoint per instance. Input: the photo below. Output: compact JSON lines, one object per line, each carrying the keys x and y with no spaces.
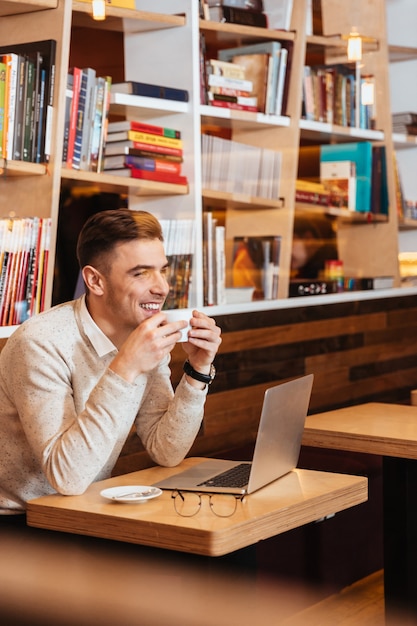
{"x":389,"y":430}
{"x":300,"y":497}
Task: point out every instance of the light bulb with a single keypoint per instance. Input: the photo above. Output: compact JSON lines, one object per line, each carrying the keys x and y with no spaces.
{"x":99,"y":9}
{"x":354,"y":48}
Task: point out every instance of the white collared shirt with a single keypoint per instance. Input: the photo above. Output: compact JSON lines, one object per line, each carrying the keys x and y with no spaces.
{"x":100,"y":342}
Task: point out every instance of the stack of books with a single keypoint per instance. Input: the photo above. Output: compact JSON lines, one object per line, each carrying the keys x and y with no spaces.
{"x":27,"y":82}
{"x":250,"y":78}
{"x":24,"y":251}
{"x":405,"y":123}
{"x":246,"y":12}
{"x":147,"y":151}
{"x":86,"y":117}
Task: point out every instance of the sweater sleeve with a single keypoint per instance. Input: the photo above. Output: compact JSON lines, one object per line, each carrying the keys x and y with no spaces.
{"x":75,"y":418}
{"x":168,"y":423}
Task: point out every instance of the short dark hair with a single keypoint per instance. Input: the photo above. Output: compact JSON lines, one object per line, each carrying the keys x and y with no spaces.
{"x":104,"y":230}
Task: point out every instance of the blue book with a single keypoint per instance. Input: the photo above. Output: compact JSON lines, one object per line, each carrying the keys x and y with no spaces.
{"x":361,"y":154}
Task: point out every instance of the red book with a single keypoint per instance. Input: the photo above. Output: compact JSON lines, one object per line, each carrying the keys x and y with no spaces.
{"x":162,"y":177}
{"x":120,"y":147}
{"x":233,"y":105}
{"x":143,"y":127}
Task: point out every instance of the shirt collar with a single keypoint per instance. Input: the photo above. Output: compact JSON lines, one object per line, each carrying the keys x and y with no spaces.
{"x":100,"y":342}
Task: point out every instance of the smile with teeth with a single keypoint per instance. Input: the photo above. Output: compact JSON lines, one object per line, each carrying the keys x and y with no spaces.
{"x":150,"y":307}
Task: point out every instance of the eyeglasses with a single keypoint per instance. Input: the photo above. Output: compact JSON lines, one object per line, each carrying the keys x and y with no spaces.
{"x":188,"y":504}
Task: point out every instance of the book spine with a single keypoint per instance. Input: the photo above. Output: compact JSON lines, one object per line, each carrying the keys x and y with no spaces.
{"x":232,"y":83}
{"x":234,"y":105}
{"x":144,"y":128}
{"x":153,"y":165}
{"x":42,"y":113}
{"x":20,"y":108}
{"x":162,"y":177}
{"x":76,"y":158}
{"x":2,"y":104}
{"x":105,"y":122}
{"x":150,"y":154}
{"x":158,"y":140}
{"x":157,"y":149}
{"x":245,"y":17}
{"x":29,"y":111}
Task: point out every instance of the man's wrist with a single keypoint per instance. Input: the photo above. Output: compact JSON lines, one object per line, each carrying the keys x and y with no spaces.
{"x":207,"y":379}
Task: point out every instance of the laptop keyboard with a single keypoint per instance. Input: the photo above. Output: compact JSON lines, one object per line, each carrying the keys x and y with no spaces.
{"x":237,"y":476}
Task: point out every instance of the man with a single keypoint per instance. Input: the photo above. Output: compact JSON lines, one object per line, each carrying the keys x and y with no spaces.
{"x":74,"y":379}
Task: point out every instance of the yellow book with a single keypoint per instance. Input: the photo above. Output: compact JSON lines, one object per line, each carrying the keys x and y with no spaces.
{"x":158,"y":140}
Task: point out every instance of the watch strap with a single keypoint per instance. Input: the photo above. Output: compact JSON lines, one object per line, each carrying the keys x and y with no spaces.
{"x":202,"y":378}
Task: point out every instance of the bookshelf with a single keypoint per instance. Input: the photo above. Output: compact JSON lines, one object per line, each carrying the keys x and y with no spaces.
{"x":171,"y":31}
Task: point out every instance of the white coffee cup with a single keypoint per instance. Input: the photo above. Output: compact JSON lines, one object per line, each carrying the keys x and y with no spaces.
{"x":174,"y":315}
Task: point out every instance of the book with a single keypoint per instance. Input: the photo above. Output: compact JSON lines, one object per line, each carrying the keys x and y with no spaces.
{"x":77,"y":73}
{"x":124,"y":125}
{"x":81,"y":117}
{"x":119,"y":147}
{"x":233,"y":105}
{"x":359,"y":153}
{"x":214,"y":80}
{"x":29,"y":110}
{"x":339,"y":180}
{"x":379,"y":193}
{"x":115,"y":160}
{"x":149,"y":138}
{"x":88,"y":118}
{"x":3,"y":68}
{"x":144,"y":163}
{"x":237,"y":15}
{"x":365,"y":283}
{"x":11,"y":60}
{"x":272,"y":50}
{"x":150,"y":91}
{"x":104,"y":122}
{"x":162,"y":177}
{"x":98,"y":119}
{"x":225,"y":68}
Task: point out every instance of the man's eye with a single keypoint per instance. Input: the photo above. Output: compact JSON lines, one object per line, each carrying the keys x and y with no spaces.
{"x":142,"y":273}
{"x":166,"y":271}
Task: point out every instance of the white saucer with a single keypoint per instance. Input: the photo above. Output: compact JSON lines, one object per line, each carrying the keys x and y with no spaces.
{"x":131,"y":493}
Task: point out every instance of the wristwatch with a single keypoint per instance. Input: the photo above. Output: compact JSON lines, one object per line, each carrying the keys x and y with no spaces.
{"x":203,"y":378}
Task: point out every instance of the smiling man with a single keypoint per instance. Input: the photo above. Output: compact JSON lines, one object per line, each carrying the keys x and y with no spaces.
{"x":75,"y":379}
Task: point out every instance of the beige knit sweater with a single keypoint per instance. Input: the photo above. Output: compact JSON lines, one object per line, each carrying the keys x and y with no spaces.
{"x":64,"y":415}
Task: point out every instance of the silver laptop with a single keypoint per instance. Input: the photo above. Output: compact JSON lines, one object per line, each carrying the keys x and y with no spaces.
{"x":277,"y":447}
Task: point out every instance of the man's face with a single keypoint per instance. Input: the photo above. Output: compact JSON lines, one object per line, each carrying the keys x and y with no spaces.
{"x":136,"y":285}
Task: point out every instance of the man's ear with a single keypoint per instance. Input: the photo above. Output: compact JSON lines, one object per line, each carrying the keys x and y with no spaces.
{"x":93,"y":279}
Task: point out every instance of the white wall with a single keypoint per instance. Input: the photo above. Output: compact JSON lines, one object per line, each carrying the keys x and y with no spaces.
{"x":402,"y":31}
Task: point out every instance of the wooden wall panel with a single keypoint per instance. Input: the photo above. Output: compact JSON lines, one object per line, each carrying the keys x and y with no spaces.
{"x":359,"y":351}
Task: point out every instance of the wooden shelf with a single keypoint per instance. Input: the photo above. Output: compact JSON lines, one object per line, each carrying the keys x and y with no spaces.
{"x":407,"y":224}
{"x":402,"y":141}
{"x":321,"y":131}
{"x":353,"y":217}
{"x":245,"y":119}
{"x":21,"y":168}
{"x":397,"y":54}
{"x":219,"y":34}
{"x":14,"y":7}
{"x":128,"y":106}
{"x":120,"y":184}
{"x":124,"y":20}
{"x":239,"y":201}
